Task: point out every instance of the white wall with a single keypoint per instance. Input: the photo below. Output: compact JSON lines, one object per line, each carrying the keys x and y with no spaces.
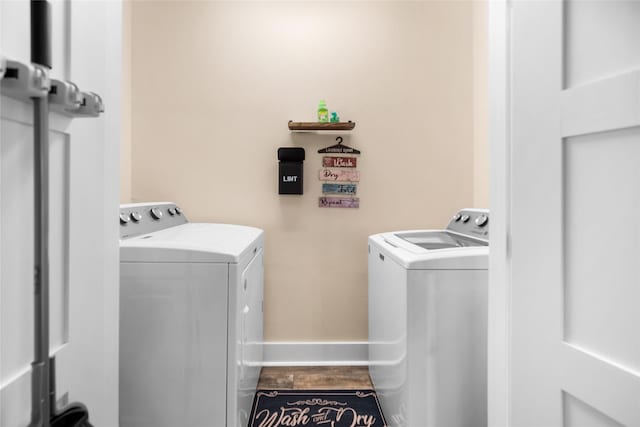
{"x":213,"y":86}
{"x":481,"y":104}
{"x":125,"y":140}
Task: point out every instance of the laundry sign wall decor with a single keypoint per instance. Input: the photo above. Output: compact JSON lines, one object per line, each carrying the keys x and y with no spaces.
{"x":339,"y":188}
{"x":339,"y":162}
{"x":339,"y":202}
{"x":335,"y":174}
{"x":339,"y":169}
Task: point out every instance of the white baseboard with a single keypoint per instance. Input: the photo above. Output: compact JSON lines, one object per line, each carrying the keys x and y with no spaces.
{"x":316,"y":353}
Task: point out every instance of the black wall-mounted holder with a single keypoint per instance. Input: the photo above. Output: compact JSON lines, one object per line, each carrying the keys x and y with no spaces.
{"x":290,"y":170}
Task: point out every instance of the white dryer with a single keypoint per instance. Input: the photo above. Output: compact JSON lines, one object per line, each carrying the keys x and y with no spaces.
{"x":428,"y":323}
{"x":191,"y":321}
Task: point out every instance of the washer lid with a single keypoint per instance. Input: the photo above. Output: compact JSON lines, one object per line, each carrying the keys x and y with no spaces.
{"x":193,"y":242}
{"x":443,"y":254}
{"x":431,"y":240}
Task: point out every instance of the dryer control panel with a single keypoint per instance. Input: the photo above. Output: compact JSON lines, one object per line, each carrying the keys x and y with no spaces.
{"x":471,"y":222}
{"x":143,"y":218}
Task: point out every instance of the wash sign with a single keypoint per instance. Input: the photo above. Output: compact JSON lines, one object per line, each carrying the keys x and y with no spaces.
{"x":339,"y":162}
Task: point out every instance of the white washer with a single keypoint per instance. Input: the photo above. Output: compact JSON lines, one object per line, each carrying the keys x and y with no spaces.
{"x":428,"y":323}
{"x":191,"y":322}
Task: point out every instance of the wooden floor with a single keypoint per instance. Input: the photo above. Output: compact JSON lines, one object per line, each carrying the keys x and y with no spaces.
{"x":315,"y":377}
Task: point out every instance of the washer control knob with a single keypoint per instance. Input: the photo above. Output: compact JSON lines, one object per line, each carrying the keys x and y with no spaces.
{"x":482,"y":220}
{"x":178,"y":211}
{"x":136,"y":217}
{"x":156,"y":213}
{"x":457,"y":217}
{"x":465,"y":218}
{"x":171,"y":211}
{"x":124,"y":219}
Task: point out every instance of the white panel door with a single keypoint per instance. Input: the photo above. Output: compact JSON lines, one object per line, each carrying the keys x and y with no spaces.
{"x":574,"y":215}
{"x":84,"y":204}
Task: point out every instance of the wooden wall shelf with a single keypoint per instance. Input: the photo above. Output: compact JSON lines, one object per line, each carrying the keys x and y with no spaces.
{"x":298,"y":126}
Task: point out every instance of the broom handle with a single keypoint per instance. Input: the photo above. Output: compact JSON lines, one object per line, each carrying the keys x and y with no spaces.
{"x":40,"y":401}
{"x":41,"y":54}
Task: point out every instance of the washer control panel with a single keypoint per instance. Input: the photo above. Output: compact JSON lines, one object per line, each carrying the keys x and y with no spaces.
{"x":471,"y":222}
{"x":143,"y":218}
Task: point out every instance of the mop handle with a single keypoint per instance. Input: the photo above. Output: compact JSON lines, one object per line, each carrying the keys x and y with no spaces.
{"x":41,"y":54}
{"x":41,"y":33}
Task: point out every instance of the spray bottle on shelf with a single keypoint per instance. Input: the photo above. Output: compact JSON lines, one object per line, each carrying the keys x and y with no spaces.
{"x":323,"y":112}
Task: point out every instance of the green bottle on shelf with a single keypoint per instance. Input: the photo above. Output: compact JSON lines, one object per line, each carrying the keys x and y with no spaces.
{"x":323,"y":112}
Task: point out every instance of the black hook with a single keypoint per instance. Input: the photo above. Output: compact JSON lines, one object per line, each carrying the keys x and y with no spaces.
{"x":339,"y":139}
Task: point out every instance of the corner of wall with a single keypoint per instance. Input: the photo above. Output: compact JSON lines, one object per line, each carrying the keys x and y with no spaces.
{"x":480,"y":104}
{"x":125,"y":137}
